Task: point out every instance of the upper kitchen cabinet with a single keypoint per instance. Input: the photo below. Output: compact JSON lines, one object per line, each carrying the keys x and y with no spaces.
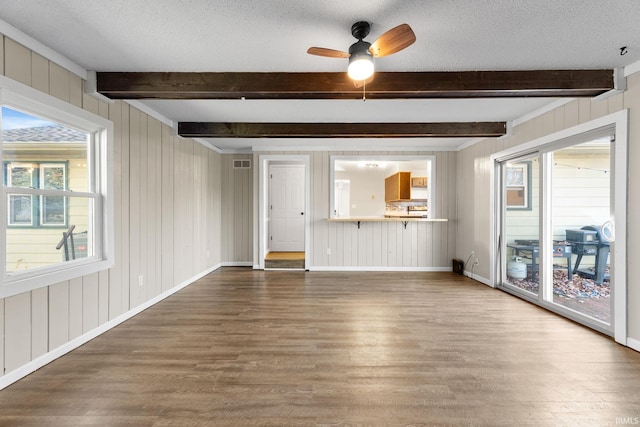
{"x":397,"y":187}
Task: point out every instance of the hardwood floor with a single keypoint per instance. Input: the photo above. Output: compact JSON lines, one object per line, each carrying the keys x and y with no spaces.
{"x":244,"y":347}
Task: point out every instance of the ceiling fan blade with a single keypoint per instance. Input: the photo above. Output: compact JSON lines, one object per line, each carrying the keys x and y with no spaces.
{"x":331,"y":53}
{"x":393,"y":41}
{"x":359,"y":83}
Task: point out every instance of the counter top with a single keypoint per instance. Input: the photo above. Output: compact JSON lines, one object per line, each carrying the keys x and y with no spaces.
{"x":383,"y":219}
{"x":358,"y":219}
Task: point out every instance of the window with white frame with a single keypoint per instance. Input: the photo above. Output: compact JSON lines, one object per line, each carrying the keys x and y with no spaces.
{"x":56,"y":202}
{"x":26,"y":210}
{"x":518,"y":186}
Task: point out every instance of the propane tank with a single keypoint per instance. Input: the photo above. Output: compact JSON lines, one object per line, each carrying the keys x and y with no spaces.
{"x":516,"y":269}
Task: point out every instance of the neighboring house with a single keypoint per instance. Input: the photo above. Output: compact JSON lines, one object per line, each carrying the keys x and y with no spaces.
{"x":44,"y":157}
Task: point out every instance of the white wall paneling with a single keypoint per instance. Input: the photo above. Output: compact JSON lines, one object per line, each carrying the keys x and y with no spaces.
{"x":337,"y":245}
{"x":17,"y":331}
{"x":474,"y":189}
{"x":237,"y":211}
{"x":167,"y":219}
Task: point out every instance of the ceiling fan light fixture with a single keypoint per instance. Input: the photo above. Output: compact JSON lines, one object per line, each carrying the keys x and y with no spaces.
{"x":360,"y":65}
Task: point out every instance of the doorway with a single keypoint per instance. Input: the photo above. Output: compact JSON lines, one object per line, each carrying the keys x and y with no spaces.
{"x":283,"y":212}
{"x":286,"y":208}
{"x":558,"y":203}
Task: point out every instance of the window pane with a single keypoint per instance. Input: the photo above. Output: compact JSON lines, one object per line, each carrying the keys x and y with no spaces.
{"x":20,"y":209}
{"x":581,"y":205}
{"x":60,"y":152}
{"x":52,"y":177}
{"x":522,"y":228}
{"x":53,"y":211}
{"x":29,"y":248}
{"x":515,"y":176}
{"x":19,"y":175}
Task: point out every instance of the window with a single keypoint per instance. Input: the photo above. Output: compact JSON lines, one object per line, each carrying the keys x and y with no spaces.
{"x":518,"y":185}
{"x":33,"y":211}
{"x":360,"y":186}
{"x":56,"y":193}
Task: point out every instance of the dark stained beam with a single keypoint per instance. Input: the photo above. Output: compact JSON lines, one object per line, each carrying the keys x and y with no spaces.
{"x":340,"y":130}
{"x":387,"y":85}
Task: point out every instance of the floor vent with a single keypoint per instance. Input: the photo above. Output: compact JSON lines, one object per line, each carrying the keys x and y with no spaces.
{"x":242,"y":164}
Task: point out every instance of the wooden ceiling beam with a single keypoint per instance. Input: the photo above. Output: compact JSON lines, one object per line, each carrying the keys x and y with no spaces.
{"x":387,"y":85}
{"x":340,"y":130}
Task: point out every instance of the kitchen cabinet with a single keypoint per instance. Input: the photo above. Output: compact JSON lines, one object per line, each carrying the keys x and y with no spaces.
{"x":420,"y":181}
{"x":397,"y":187}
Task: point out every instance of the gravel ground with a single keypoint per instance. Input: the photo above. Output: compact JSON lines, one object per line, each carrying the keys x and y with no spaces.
{"x":579,"y":287}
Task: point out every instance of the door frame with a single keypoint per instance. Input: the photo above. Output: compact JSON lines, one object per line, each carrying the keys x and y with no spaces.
{"x":618,"y":122}
{"x":262,"y":229}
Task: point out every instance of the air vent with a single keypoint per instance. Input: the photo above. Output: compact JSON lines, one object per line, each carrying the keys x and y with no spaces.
{"x":242,"y":164}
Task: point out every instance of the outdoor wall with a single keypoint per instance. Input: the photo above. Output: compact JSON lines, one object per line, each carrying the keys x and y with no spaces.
{"x":581,"y":194}
{"x":168,"y":217}
{"x":474,"y":186}
{"x":378,"y":245}
{"x":580,"y":197}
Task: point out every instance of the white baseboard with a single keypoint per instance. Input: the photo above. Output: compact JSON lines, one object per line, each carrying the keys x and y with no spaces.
{"x":357,"y":268}
{"x":634,"y":344}
{"x":236,"y":264}
{"x":49,"y":357}
{"x":478,"y":278}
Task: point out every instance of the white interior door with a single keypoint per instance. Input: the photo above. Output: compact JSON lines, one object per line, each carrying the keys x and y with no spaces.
{"x":286,"y":206}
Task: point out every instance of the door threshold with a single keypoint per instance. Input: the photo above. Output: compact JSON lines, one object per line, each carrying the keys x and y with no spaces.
{"x":285,"y":261}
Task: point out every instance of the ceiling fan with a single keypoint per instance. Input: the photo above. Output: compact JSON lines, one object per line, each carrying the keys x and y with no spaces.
{"x":361,"y":53}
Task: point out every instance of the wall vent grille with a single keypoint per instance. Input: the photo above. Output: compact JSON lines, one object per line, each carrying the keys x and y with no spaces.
{"x":242,"y":164}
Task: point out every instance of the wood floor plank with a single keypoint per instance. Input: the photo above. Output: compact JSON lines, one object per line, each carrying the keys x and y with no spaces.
{"x":245,"y":347}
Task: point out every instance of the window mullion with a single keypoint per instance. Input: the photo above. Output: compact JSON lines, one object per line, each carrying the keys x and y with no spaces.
{"x":546,"y":231}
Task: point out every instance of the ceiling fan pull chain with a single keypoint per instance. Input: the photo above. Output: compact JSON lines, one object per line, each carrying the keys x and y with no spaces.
{"x":364,"y":91}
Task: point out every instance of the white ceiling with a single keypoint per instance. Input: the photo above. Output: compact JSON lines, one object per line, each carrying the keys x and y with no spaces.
{"x":245,"y":35}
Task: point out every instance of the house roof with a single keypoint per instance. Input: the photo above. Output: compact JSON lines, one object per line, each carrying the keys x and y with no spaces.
{"x":55,"y":133}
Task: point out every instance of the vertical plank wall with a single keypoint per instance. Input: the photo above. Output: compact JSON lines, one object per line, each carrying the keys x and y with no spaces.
{"x":237,"y":211}
{"x":381,"y":245}
{"x":474,"y":166}
{"x":167,"y":221}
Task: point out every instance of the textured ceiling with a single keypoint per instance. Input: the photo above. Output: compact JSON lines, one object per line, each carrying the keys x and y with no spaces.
{"x":244,"y":35}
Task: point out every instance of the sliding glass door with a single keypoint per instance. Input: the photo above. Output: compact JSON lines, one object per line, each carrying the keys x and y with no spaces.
{"x":556,"y":227}
{"x":521,"y":190}
{"x":581,"y":227}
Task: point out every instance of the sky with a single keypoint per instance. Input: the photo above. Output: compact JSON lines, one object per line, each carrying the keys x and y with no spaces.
{"x":12,"y":119}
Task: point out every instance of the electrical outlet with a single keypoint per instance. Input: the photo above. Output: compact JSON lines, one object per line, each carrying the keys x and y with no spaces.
{"x":140,"y":280}
{"x":328,"y":251}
